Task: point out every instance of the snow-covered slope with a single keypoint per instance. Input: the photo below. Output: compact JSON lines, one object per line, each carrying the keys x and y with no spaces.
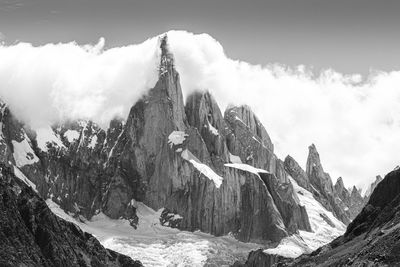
{"x":156,"y":245}
{"x":325,"y":227}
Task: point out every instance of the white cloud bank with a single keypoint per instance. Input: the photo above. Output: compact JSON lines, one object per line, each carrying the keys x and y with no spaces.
{"x":67,"y":81}
{"x":355,"y":124}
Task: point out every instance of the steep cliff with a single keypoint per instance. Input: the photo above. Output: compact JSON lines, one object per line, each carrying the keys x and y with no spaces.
{"x":344,"y":204}
{"x":371,"y":239}
{"x":31,"y":235}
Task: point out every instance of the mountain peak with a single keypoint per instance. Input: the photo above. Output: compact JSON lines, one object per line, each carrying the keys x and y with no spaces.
{"x":339,"y":186}
{"x":167,"y":59}
{"x":313,"y":160}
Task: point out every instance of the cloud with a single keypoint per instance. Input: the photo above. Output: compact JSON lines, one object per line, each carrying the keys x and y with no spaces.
{"x":66,"y":81}
{"x":354,"y":122}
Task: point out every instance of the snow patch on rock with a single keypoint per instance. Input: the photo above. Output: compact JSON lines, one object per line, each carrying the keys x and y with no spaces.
{"x":177,"y":138}
{"x":213,"y":130}
{"x":290,"y":247}
{"x":23,"y":153}
{"x":235,"y":159}
{"x":245,"y":167}
{"x":93,"y":142}
{"x":71,"y":135}
{"x":203,"y":168}
{"x":46,"y":135}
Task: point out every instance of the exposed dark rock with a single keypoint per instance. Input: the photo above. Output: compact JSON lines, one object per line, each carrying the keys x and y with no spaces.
{"x":258,"y":258}
{"x":247,"y":117}
{"x":350,"y":202}
{"x":294,"y":215}
{"x":318,"y":178}
{"x":245,"y":141}
{"x":170,"y":219}
{"x":297,"y":173}
{"x":203,"y":113}
{"x":322,"y":183}
{"x":371,"y":239}
{"x":31,"y":235}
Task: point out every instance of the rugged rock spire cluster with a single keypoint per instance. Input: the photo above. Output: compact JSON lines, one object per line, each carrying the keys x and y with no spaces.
{"x":371,"y":239}
{"x":337,"y":199}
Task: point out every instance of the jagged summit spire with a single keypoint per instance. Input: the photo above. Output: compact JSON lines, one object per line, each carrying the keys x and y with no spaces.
{"x":339,"y":183}
{"x":167,"y":59}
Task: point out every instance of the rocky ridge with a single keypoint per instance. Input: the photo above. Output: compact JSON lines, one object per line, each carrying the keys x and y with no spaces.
{"x":31,"y":235}
{"x":336,"y":198}
{"x":371,"y":239}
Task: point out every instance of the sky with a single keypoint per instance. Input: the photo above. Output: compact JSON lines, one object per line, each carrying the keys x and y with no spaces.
{"x":350,"y":36}
{"x":323,"y":72}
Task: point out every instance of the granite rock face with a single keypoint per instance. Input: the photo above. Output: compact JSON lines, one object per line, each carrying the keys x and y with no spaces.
{"x":314,"y":170}
{"x":203,"y":113}
{"x":31,"y":235}
{"x":338,"y":199}
{"x":245,"y":141}
{"x":297,"y":173}
{"x":371,"y":239}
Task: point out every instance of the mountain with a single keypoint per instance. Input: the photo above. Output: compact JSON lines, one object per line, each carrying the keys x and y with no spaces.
{"x":336,"y":198}
{"x":216,"y":173}
{"x":371,"y":239}
{"x":31,"y":235}
{"x":201,"y":168}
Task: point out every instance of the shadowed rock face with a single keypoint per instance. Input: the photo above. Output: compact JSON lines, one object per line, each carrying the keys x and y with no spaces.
{"x":243,"y":141}
{"x":372,"y":239}
{"x":322,"y":182}
{"x":318,"y":178}
{"x":245,"y":114}
{"x":294,"y":215}
{"x":31,"y":235}
{"x":297,"y":173}
{"x":258,"y":258}
{"x":203,"y":113}
{"x":344,"y":204}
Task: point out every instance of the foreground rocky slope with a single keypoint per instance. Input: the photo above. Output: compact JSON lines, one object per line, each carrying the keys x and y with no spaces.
{"x":372,"y":239}
{"x":31,"y":235}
